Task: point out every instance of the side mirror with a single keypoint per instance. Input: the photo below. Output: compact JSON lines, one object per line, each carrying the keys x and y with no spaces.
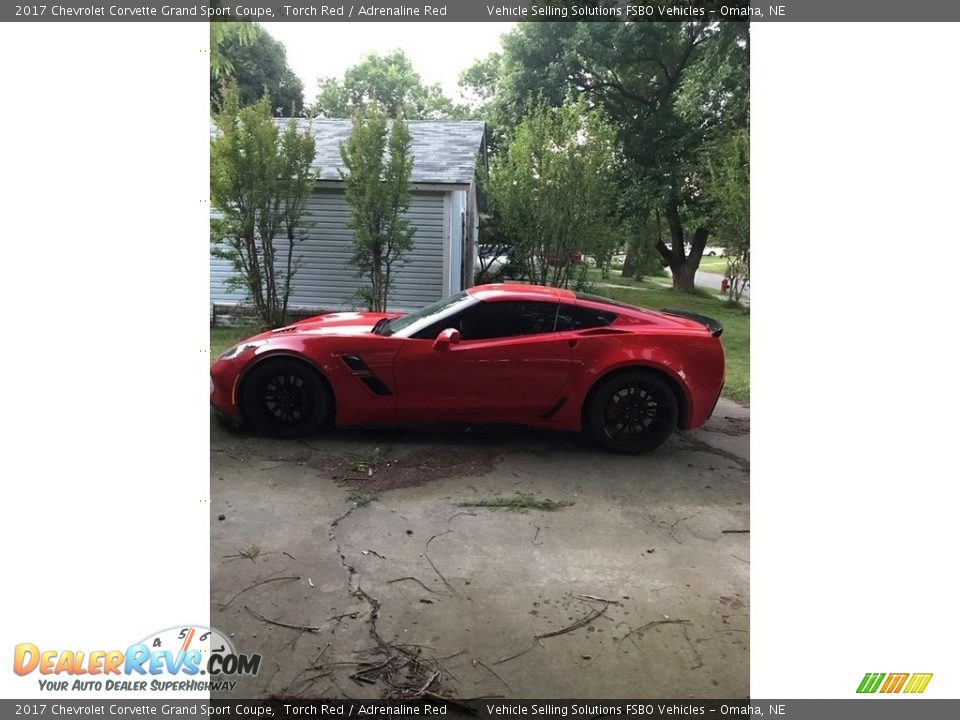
{"x":446,"y":338}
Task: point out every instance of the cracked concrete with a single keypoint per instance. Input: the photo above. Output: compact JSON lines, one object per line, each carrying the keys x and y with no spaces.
{"x":456,"y":596}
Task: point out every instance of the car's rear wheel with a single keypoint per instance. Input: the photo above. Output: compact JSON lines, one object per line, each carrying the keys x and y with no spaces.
{"x":633,"y":412}
{"x":284,"y":398}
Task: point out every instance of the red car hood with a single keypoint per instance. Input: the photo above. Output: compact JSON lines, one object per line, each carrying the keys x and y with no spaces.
{"x":341,"y":323}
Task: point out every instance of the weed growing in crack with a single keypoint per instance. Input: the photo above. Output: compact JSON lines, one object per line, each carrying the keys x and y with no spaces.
{"x":362,"y":498}
{"x":251,"y":552}
{"x":521,"y":502}
{"x":369,"y":462}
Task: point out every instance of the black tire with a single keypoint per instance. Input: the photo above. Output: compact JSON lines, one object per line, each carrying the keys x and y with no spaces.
{"x":284,"y":398}
{"x":632,"y":412}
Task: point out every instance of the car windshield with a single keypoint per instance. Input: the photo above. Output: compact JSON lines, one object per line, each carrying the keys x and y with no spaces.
{"x":424,"y":314}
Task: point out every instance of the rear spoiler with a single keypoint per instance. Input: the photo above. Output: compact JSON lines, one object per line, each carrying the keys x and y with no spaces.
{"x":715,"y":327}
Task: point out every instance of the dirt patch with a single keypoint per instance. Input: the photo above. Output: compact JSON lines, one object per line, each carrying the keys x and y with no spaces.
{"x":735,"y":426}
{"x":418,"y":467}
{"x":702,"y":446}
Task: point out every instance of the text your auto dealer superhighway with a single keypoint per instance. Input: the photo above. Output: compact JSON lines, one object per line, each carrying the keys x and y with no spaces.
{"x":171,"y":11}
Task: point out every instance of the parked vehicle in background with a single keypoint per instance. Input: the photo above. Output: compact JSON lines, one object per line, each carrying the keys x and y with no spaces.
{"x":708,"y":251}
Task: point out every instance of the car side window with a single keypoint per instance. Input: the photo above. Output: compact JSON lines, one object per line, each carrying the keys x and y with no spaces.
{"x":507,"y":318}
{"x":578,"y":317}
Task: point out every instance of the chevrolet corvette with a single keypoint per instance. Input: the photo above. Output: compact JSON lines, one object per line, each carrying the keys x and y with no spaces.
{"x":504,"y":354}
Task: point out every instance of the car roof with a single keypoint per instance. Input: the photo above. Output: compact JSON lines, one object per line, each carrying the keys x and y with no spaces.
{"x":519,"y":291}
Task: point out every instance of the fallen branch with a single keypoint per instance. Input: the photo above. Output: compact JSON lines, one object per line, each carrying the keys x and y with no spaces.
{"x":258,"y":584}
{"x":318,"y":657}
{"x":492,"y":672}
{"x":597,"y":599}
{"x":464,"y":512}
{"x":734,"y":531}
{"x":643,"y":628}
{"x":429,"y":682}
{"x":533,"y":644}
{"x":439,"y":574}
{"x":450,"y":657}
{"x":361,"y":674}
{"x":673,"y":527}
{"x":306,"y":628}
{"x":586,"y":620}
{"x":418,"y":582}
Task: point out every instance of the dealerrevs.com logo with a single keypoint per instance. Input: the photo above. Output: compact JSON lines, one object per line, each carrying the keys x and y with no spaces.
{"x":182,"y":659}
{"x":910,"y":683}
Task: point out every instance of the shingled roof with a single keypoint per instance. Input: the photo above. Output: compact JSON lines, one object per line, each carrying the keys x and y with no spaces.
{"x":443,"y":152}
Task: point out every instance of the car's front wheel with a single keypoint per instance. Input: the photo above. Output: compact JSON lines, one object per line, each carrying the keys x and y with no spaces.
{"x":633,"y":412}
{"x":284,"y":397}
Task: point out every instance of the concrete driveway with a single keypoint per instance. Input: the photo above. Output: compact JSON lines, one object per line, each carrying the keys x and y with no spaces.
{"x":359,"y":573}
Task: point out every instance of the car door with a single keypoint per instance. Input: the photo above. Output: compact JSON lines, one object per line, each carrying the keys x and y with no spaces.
{"x":510,"y":364}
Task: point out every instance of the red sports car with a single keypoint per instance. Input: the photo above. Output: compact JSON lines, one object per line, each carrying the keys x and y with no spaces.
{"x":518,"y":354}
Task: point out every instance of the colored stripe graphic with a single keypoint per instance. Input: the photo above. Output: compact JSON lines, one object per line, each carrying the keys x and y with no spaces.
{"x":918,"y":682}
{"x":894,"y":682}
{"x":870,"y":682}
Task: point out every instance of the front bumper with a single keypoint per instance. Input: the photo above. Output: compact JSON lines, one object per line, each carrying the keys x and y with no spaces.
{"x":223,"y":380}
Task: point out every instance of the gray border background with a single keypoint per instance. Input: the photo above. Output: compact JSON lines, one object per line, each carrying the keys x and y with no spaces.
{"x":872,"y":708}
{"x":477,"y":10}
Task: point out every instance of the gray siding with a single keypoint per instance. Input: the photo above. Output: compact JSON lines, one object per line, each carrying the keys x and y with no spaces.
{"x":325,"y":279}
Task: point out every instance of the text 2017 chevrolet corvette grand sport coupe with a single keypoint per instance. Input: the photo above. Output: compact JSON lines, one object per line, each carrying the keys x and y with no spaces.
{"x":515,"y":354}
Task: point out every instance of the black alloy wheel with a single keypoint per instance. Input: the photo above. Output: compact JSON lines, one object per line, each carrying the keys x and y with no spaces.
{"x":284,"y":397}
{"x":633,"y":412}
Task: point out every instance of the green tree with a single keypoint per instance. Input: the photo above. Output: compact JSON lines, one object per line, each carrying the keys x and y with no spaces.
{"x":377,"y":186}
{"x":671,"y":88}
{"x":479,"y":83}
{"x":221,"y":31}
{"x":727,"y":186}
{"x":259,"y":67}
{"x":260,"y":178}
{"x":553,"y":189}
{"x":388,"y":82}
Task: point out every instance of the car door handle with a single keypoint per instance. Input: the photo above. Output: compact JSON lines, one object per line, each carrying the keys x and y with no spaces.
{"x":572,"y":342}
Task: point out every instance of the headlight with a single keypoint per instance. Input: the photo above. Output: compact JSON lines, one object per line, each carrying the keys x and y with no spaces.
{"x":240,"y":349}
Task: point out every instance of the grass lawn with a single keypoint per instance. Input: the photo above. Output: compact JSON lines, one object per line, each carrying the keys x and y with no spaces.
{"x":657,"y":293}
{"x":714,"y":264}
{"x":593,"y":275}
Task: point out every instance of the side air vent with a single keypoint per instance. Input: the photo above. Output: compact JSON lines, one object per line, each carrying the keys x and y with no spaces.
{"x":356,"y":363}
{"x":362,"y":371}
{"x":376,"y":385}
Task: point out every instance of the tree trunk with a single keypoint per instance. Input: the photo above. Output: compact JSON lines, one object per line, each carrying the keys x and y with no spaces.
{"x":631,"y":260}
{"x":683,"y":276}
{"x":683,"y":267}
